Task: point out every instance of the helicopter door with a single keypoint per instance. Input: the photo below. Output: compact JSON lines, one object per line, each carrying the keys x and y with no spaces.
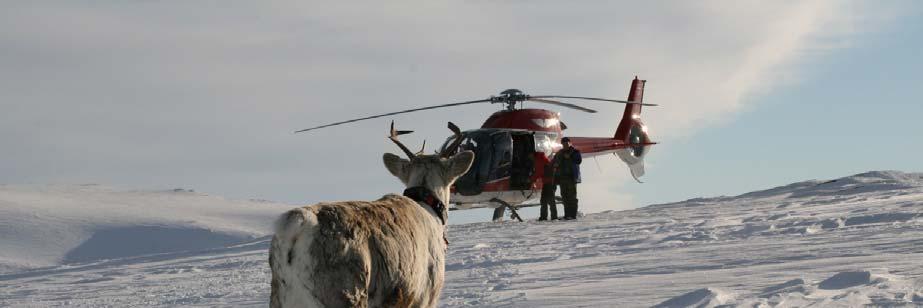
{"x":492,"y":160}
{"x":523,"y":164}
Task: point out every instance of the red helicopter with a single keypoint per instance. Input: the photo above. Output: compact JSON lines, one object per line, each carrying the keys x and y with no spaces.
{"x":513,"y":145}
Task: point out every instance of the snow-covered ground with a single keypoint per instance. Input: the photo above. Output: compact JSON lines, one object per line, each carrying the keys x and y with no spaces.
{"x":849,"y":242}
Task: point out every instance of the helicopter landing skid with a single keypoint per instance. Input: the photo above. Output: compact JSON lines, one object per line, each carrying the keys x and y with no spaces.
{"x":498,"y":212}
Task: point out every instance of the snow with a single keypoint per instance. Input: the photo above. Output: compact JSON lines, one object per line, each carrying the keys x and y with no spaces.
{"x":53,"y":225}
{"x":707,"y":297}
{"x":848,"y":242}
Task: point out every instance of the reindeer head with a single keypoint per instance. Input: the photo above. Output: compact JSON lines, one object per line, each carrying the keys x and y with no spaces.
{"x":435,"y":172}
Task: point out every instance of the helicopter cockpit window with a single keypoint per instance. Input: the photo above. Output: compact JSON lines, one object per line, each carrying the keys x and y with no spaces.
{"x":523,"y":165}
{"x":467,"y":144}
{"x":502,"y":155}
{"x":492,"y":159}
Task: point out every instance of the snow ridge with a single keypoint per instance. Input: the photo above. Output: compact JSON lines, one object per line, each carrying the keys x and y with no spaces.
{"x":853,"y":241}
{"x":63,"y":224}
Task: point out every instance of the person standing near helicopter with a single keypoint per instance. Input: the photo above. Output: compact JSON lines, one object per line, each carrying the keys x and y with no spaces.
{"x":566,"y":165}
{"x":548,"y":188}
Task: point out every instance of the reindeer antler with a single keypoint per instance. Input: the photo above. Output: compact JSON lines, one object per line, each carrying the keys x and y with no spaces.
{"x":422,"y":148}
{"x":450,"y":150}
{"x":393,"y":137}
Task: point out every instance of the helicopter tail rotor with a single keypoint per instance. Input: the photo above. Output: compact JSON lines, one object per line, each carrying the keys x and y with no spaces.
{"x":632,"y":116}
{"x":633,"y":131}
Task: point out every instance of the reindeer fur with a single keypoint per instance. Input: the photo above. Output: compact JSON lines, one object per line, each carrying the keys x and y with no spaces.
{"x":384,"y":253}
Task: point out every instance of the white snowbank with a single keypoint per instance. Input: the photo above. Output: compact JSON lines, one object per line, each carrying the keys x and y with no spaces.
{"x":51,"y":225}
{"x":701,"y":298}
{"x":877,"y":288}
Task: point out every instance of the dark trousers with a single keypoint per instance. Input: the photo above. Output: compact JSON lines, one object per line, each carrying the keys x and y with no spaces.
{"x":548,"y":201}
{"x":569,"y":194}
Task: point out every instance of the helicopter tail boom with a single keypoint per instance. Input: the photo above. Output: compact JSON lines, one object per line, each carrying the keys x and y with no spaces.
{"x":632,"y":113}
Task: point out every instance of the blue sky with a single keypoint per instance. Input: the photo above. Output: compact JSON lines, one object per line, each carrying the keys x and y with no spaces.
{"x":205,"y":95}
{"x":856,"y":109}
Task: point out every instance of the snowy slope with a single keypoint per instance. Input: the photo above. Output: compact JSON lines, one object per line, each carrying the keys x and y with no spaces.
{"x":790,"y":246}
{"x":850,"y":242}
{"x":52,"y":225}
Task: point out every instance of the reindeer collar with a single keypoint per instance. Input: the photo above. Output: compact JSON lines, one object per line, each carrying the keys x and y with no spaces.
{"x":424,"y":195}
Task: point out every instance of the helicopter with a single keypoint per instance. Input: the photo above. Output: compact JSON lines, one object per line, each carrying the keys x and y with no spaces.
{"x":513,"y":145}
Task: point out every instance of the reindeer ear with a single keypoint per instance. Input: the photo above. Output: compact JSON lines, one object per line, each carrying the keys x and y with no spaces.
{"x":459,"y":164}
{"x":397,"y":166}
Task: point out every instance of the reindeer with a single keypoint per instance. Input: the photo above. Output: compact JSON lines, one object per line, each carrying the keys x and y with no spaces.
{"x":384,"y":253}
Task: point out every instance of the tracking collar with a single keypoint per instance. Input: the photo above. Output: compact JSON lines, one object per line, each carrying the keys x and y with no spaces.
{"x":424,"y":195}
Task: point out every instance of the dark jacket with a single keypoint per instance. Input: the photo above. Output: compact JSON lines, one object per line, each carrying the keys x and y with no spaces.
{"x":544,"y":169}
{"x":567,"y":166}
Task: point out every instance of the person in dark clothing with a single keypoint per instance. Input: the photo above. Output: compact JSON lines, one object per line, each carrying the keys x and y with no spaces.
{"x":548,"y":189}
{"x":566,"y":175}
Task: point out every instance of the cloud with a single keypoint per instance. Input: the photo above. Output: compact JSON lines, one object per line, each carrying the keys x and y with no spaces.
{"x":734,"y":54}
{"x":206,"y":95}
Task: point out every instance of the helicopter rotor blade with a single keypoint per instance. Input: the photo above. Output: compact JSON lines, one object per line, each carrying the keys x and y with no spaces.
{"x":554,"y":102}
{"x":593,"y":99}
{"x":394,"y":113}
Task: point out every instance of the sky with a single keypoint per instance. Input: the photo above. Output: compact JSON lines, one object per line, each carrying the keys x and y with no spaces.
{"x":205,"y":95}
